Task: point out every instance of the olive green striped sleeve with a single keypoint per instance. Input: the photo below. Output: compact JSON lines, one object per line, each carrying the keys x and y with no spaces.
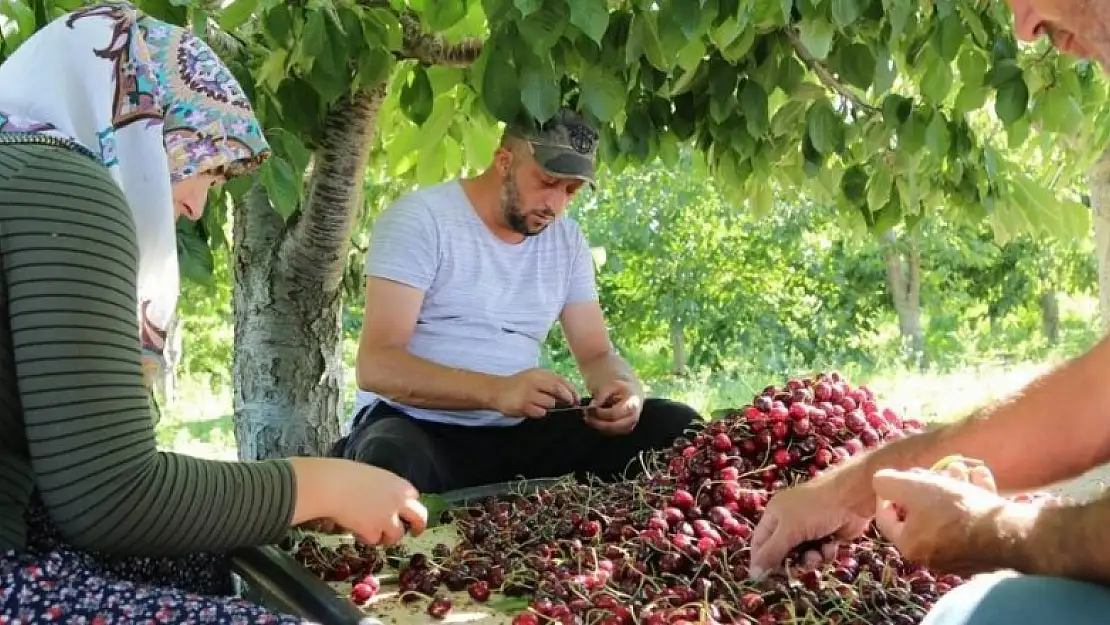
{"x":68,"y":252}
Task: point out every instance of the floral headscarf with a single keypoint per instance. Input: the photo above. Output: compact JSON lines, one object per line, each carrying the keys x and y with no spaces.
{"x":155,"y":104}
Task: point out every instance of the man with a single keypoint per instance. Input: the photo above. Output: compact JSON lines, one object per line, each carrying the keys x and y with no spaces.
{"x":464,"y":280}
{"x":1057,"y":428}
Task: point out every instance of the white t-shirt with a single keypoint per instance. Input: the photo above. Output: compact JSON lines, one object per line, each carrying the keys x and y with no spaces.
{"x":488,"y":305}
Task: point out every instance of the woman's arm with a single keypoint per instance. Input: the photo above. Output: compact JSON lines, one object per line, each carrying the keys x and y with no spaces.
{"x":69,"y":258}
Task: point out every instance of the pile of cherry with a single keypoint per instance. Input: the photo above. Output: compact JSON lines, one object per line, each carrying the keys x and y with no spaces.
{"x":671,"y":546}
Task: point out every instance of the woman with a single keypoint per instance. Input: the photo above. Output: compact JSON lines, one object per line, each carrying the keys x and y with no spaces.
{"x":112,"y":124}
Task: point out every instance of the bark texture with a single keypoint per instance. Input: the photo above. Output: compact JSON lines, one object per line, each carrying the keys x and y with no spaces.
{"x":288,"y":365}
{"x":903,"y":275}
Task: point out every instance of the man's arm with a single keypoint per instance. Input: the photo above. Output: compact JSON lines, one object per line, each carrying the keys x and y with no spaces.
{"x":1056,"y":428}
{"x":588,"y":339}
{"x":1069,"y":541}
{"x":385,"y":366}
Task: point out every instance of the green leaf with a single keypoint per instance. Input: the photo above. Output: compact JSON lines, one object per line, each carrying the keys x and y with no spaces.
{"x":898,"y":13}
{"x":236,"y":14}
{"x":314,"y":38}
{"x":974,"y":22}
{"x":857,"y":65}
{"x":949,"y":37}
{"x":281,"y":184}
{"x":1067,"y":220}
{"x":591,"y":17}
{"x":879,"y":186}
{"x":382,"y":27}
{"x":937,"y":137}
{"x":601,"y":94}
{"x":824,"y":127}
{"x":884,"y":73}
{"x":1002,"y":72}
{"x":970,"y":98}
{"x":846,"y":12}
{"x":374,"y":65}
{"x":539,"y":87}
{"x":543,"y":29}
{"x":277,"y":26}
{"x":500,"y":84}
{"x":973,"y":66}
{"x":273,"y":69}
{"x":429,"y":167}
{"x":290,"y":147}
{"x":436,"y":505}
{"x":416,"y":96}
{"x":442,"y":14}
{"x":507,"y":605}
{"x":762,"y":199}
{"x":937,"y":81}
{"x":1011,"y":100}
{"x":816,"y":35}
{"x":1059,"y":111}
{"x":753,"y":99}
{"x":194,"y":256}
{"x":526,"y":7}
{"x":786,"y":119}
{"x":725,"y":33}
{"x":691,"y":55}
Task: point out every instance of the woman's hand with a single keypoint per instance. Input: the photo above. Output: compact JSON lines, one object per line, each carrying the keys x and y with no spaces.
{"x":374,"y":504}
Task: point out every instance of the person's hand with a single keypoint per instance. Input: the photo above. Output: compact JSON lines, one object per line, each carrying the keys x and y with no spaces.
{"x":374,"y":504}
{"x":615,"y":407}
{"x":951,"y":520}
{"x":531,"y":393}
{"x":838,"y":504}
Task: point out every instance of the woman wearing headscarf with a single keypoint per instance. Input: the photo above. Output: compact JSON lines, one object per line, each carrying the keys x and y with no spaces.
{"x":113,"y":124}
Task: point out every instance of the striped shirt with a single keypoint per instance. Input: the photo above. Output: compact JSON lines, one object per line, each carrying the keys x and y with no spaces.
{"x":75,"y":420}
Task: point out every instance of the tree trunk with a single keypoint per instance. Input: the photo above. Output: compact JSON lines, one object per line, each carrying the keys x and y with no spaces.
{"x":678,"y":348}
{"x":1098,"y":178}
{"x":173,"y":360}
{"x":903,"y":274}
{"x":288,"y":360}
{"x":1050,"y":316}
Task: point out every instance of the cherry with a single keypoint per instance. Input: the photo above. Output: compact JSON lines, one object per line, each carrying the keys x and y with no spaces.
{"x":478,"y":591}
{"x":439,"y":608}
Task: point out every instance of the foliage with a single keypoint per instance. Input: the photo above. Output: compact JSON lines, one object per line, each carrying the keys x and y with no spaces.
{"x":798,"y":288}
{"x":888,"y":108}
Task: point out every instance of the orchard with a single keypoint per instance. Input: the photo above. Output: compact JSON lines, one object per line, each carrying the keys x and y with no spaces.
{"x":670,"y":545}
{"x":907,"y":120}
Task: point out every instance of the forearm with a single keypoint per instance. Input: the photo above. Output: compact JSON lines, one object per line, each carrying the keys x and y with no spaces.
{"x":1069,"y":541}
{"x":600,"y":370}
{"x":1056,"y":428}
{"x":69,"y":281}
{"x":396,"y":374}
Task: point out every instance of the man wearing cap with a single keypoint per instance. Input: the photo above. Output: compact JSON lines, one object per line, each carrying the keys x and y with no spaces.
{"x":464,"y":281}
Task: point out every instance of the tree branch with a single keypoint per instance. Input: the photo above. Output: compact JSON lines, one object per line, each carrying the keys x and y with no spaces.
{"x":427,"y":48}
{"x":315,"y":250}
{"x":433,"y":49}
{"x":824,"y":74}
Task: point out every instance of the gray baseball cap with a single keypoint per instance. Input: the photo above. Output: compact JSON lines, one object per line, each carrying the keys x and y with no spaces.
{"x":565,"y":145}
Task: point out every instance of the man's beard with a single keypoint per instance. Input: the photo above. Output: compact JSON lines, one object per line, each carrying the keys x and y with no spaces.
{"x":515,"y":217}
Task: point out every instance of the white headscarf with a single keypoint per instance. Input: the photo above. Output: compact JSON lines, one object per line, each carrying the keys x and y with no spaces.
{"x":154,"y":103}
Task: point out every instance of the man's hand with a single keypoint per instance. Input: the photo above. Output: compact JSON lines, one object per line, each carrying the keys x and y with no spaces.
{"x":615,"y":407}
{"x":531,"y":393}
{"x":840,"y":504}
{"x":950,"y":520}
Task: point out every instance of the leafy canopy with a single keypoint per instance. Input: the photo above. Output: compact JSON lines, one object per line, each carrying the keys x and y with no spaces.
{"x":887,"y":108}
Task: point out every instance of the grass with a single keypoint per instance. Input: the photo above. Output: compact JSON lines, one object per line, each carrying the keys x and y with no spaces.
{"x":199,"y":422}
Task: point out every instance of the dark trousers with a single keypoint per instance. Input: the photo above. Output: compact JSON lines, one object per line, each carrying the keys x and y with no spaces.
{"x":437,"y":457}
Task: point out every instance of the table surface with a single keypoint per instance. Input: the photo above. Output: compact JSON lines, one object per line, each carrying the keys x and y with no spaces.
{"x":388,"y":608}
